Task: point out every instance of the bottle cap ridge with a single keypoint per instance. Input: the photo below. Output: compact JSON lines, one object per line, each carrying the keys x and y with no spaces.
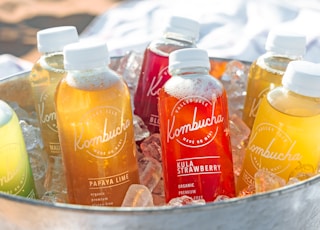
{"x":55,"y":38}
{"x":189,"y":57}
{"x":185,"y":26}
{"x":303,"y":77}
{"x":6,"y":113}
{"x":86,"y":55}
{"x":285,"y":42}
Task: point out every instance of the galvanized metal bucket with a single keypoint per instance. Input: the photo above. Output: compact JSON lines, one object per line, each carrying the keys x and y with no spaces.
{"x":292,"y":207}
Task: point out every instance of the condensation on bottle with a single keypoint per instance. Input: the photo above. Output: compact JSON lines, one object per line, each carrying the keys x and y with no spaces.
{"x":282,"y":46}
{"x":284,"y":135}
{"x":180,"y":33}
{"x":16,"y":177}
{"x":194,"y":124}
{"x":94,"y":118}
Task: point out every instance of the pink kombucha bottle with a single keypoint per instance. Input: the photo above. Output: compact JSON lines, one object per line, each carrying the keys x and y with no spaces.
{"x":193,"y":113}
{"x":180,"y":33}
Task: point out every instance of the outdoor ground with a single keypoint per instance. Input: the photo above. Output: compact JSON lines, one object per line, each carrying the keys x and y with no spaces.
{"x":21,"y":19}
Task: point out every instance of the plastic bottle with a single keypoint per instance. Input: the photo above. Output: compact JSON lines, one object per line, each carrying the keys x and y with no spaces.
{"x":15,"y":172}
{"x":44,"y":77}
{"x":180,"y":33}
{"x":266,"y":72}
{"x":284,"y":135}
{"x":194,"y":123}
{"x":94,"y":117}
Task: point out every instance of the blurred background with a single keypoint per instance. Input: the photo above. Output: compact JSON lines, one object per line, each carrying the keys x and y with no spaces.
{"x":234,"y":29}
{"x":21,"y":19}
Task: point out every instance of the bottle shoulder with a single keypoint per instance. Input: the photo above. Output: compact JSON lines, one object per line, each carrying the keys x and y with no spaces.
{"x":97,"y":79}
{"x":203,"y":85}
{"x":275,"y":63}
{"x":292,"y":103}
{"x":164,"y":46}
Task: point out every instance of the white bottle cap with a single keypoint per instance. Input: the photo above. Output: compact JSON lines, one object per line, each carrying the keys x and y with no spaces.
{"x":185,"y":26}
{"x":302,"y":77}
{"x":188,"y":57}
{"x":86,"y":55}
{"x":6,"y":113}
{"x":285,"y":42}
{"x":55,"y":38}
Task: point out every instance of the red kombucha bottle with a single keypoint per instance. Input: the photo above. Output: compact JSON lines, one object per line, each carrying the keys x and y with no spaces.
{"x":194,"y":129}
{"x":180,"y":33}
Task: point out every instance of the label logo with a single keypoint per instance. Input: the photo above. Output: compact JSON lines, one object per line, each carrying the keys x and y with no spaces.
{"x":13,"y":170}
{"x":191,"y":125}
{"x":256,"y":103}
{"x":101,"y":132}
{"x":47,"y":114}
{"x":271,"y":148}
{"x":157,"y":82}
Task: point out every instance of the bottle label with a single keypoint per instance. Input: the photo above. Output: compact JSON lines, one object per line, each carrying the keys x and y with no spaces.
{"x":277,"y":150}
{"x":157,"y":82}
{"x":189,"y":132}
{"x":153,"y":91}
{"x":13,"y":170}
{"x":99,"y":133}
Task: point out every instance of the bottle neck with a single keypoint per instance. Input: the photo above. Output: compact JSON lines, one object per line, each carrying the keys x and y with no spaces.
{"x":179,"y":37}
{"x":292,"y":57}
{"x":292,"y":103}
{"x":190,"y":71}
{"x":90,"y":71}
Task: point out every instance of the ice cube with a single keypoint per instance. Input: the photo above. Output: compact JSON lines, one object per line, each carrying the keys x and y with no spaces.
{"x":140,"y":129}
{"x":267,"y":181}
{"x":150,"y":172}
{"x":234,"y":81}
{"x":185,"y":200}
{"x":32,"y":135}
{"x":220,"y":198}
{"x":249,"y":190}
{"x":138,"y":196}
{"x":151,"y":147}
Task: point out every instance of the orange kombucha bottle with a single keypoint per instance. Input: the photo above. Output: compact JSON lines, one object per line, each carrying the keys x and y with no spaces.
{"x":284,"y":137}
{"x":95,"y":125}
{"x":266,"y":72}
{"x":194,"y":129}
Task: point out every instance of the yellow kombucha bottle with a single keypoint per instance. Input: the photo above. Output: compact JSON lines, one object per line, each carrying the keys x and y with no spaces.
{"x":44,"y":77}
{"x":266,"y":72}
{"x":94,"y":118}
{"x":15,"y":172}
{"x":285,"y":133}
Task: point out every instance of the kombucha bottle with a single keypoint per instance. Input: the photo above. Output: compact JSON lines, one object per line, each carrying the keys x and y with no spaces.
{"x":44,"y":77}
{"x":266,"y":72}
{"x":180,"y":33}
{"x":194,"y":130}
{"x":94,"y":118}
{"x":285,"y":133}
{"x":15,"y":172}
